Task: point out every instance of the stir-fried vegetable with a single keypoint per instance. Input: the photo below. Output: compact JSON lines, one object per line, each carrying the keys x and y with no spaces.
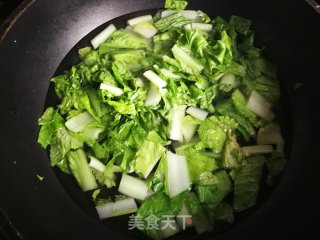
{"x":177,"y":105}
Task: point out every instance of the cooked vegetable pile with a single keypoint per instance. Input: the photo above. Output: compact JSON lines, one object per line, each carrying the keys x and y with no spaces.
{"x":180,"y":108}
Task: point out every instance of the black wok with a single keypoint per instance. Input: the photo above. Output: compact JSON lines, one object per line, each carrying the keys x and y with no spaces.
{"x":36,"y":40}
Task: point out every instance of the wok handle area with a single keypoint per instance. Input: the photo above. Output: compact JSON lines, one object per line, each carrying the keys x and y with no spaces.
{"x":10,"y":11}
{"x":7,"y":229}
{"x":315,"y":4}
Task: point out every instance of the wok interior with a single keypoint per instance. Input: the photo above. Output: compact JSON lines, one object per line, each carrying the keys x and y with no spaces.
{"x":265,"y":22}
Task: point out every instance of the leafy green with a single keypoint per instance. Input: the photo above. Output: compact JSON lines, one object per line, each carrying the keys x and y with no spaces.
{"x":240,"y":103}
{"x":224,"y":213}
{"x":101,"y":150}
{"x":91,"y":58}
{"x":164,"y":42}
{"x":122,"y":107}
{"x":232,"y":156}
{"x":219,"y":56}
{"x":199,"y":218}
{"x":79,"y":168}
{"x":175,"y":4}
{"x":149,"y":154}
{"x":177,"y":94}
{"x":276,"y":163}
{"x":213,"y":132}
{"x":50,"y":122}
{"x":267,"y":87}
{"x":245,"y":127}
{"x":109,"y":174}
{"x":187,"y":63}
{"x":83,"y":52}
{"x":207,"y":178}
{"x":240,"y":25}
{"x":68,"y":140}
{"x":215,"y":193}
{"x":198,"y":162}
{"x":173,"y":22}
{"x":247,"y":182}
{"x":159,"y":205}
{"x":54,"y":132}
{"x":122,"y":39}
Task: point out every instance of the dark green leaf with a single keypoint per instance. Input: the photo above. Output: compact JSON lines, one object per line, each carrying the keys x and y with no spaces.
{"x":247,"y":182}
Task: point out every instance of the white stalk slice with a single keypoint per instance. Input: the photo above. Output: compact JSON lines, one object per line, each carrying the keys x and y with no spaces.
{"x":167,"y":13}
{"x":188,"y":131}
{"x":112,"y":89}
{"x":140,"y":19}
{"x":197,"y":113}
{"x":163,"y":91}
{"x":96,"y":164}
{"x":190,"y":14}
{"x":183,"y":56}
{"x":103,"y":36}
{"x":105,"y":210}
{"x":177,"y":174}
{"x":120,"y":207}
{"x":228,"y":79}
{"x":128,"y":28}
{"x":155,"y":79}
{"x":79,"y":122}
{"x":259,"y":99}
{"x":124,"y":206}
{"x":188,"y":27}
{"x":153,"y":96}
{"x":177,"y":114}
{"x":258,"y":149}
{"x":260,"y":106}
{"x":133,"y":187}
{"x":201,"y":86}
{"x":199,"y":26}
{"x":92,"y":133}
{"x":81,"y":171}
{"x":211,"y":108}
{"x":169,"y":74}
{"x":168,"y":230}
{"x":271,"y":135}
{"x":145,"y":29}
{"x":269,"y":115}
{"x":139,"y":82}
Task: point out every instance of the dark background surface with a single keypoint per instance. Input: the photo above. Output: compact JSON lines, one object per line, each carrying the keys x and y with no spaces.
{"x":305,"y":208}
{"x":6,"y":7}
{"x":7,"y":231}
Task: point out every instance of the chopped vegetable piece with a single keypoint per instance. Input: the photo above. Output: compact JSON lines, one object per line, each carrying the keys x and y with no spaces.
{"x":133,"y":187}
{"x":155,"y":79}
{"x":103,"y":36}
{"x":122,"y":206}
{"x":140,"y":19}
{"x":80,"y":169}
{"x":177,"y":174}
{"x":247,"y":182}
{"x":258,"y":149}
{"x":197,"y":113}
